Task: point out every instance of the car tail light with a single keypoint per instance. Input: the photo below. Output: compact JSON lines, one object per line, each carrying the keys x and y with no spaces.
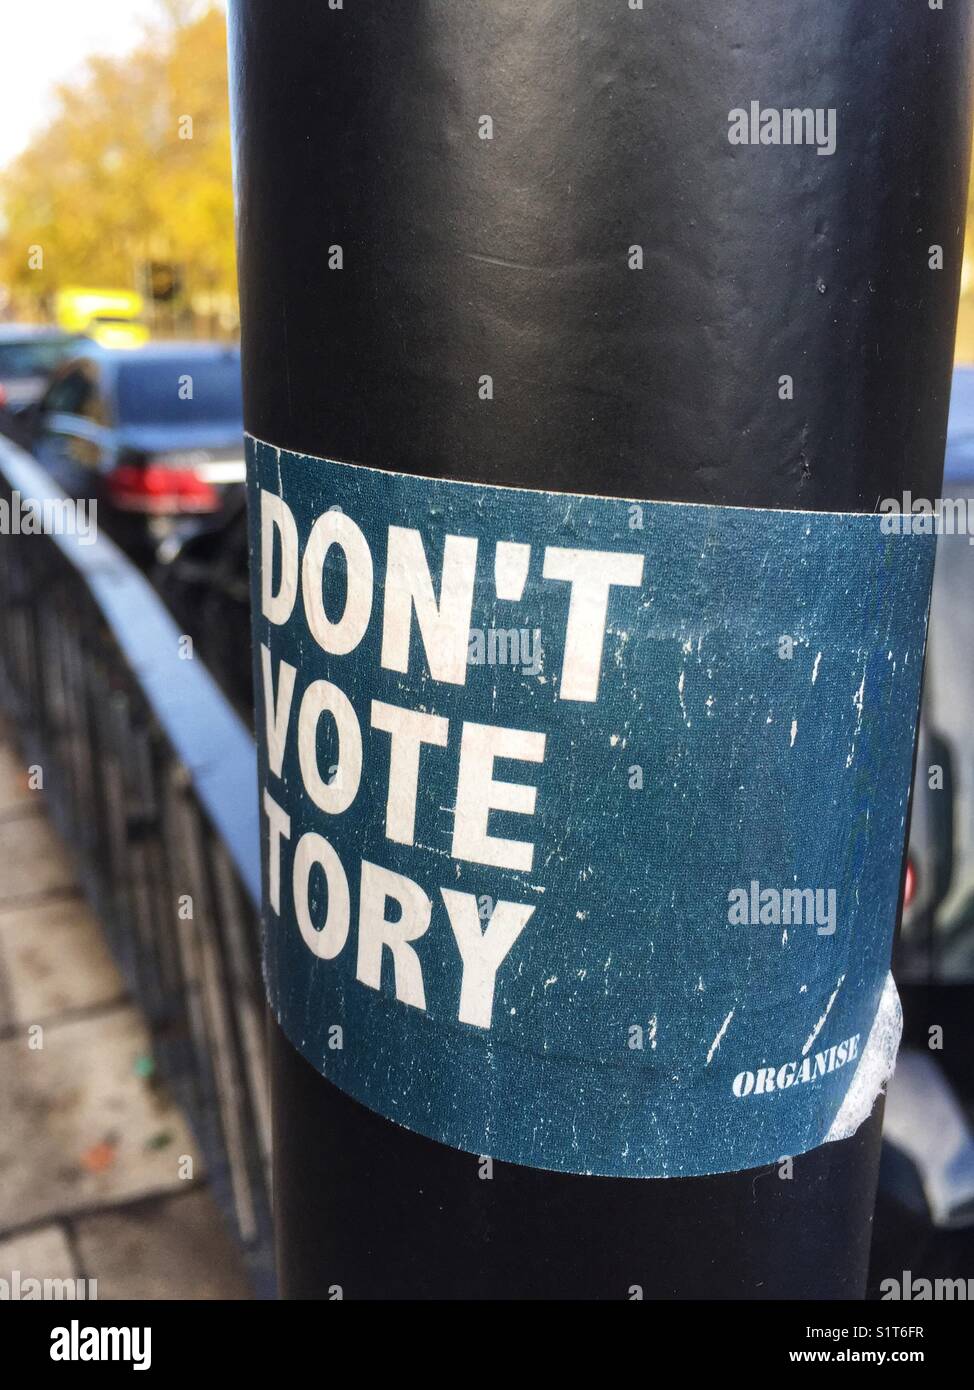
{"x":910,"y":886}
{"x":3,"y":396}
{"x":160,"y":491}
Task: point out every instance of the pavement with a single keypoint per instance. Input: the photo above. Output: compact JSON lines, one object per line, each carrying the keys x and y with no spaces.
{"x":100,"y":1177}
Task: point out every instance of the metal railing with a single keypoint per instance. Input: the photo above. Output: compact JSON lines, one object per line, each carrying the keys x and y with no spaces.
{"x":151,"y":778}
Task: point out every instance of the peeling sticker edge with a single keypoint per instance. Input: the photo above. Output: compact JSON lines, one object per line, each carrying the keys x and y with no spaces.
{"x":876,"y":1066}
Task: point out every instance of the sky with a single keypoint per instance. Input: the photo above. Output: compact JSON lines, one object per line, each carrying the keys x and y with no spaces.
{"x":43,"y":42}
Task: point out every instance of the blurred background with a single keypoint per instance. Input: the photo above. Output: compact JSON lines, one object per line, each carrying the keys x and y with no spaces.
{"x":134,"y":1145}
{"x":115,"y":163}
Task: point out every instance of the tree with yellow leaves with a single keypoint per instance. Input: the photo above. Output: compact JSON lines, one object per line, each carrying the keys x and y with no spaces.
{"x":132,"y":171}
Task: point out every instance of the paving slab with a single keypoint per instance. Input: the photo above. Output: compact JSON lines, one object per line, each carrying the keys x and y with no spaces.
{"x":14,"y":792}
{"x":33,"y":861}
{"x":90,"y":1143}
{"x":173,"y":1248}
{"x":83,"y":1124}
{"x":38,"y":1254}
{"x":54,"y":959}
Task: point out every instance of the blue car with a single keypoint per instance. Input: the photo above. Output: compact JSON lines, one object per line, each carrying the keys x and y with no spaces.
{"x":154,"y":435}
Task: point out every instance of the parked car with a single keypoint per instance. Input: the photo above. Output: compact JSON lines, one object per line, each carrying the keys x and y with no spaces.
{"x":154,"y":435}
{"x":29,"y":353}
{"x":206,"y":585}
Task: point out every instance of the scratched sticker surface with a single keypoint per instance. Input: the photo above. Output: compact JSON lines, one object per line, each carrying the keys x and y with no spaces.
{"x":582,"y":818}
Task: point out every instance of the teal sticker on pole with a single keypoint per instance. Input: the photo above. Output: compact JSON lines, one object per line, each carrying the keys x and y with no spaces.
{"x":582,"y":817}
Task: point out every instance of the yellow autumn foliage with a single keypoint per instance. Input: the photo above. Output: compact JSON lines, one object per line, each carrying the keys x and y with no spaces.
{"x":133,"y":168}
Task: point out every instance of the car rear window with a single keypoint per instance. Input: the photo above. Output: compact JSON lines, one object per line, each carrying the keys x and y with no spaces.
{"x":172,"y":391}
{"x":34,"y":357}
